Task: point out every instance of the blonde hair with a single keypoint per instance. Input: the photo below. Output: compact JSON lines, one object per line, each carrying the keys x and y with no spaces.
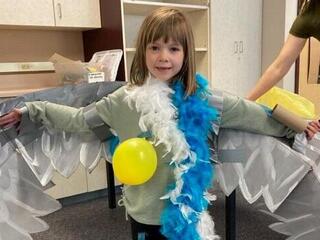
{"x":166,"y":23}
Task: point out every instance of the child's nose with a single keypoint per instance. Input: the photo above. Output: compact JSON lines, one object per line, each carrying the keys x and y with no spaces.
{"x":163,"y":55}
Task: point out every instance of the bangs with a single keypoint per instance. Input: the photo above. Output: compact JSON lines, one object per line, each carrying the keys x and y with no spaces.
{"x":170,"y":28}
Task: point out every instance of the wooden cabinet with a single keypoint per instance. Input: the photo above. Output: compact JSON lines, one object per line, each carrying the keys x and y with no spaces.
{"x":134,"y":12}
{"x":27,"y":38}
{"x":83,"y":14}
{"x":75,"y":184}
{"x":80,"y":182}
{"x":236,"y":44}
{"x":250,"y":49}
{"x":77,"y":13}
{"x":26,"y":13}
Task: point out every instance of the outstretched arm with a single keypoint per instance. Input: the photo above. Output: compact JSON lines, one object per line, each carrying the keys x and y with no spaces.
{"x":96,"y":118}
{"x":52,"y":115}
{"x":72,"y":119}
{"x":245,"y":115}
{"x":279,"y":68}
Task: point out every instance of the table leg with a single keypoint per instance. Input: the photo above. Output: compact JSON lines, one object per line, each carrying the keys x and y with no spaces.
{"x":231,"y":216}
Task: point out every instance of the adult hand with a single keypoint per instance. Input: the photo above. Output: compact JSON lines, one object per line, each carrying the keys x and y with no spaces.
{"x":312,"y":129}
{"x":11,"y":118}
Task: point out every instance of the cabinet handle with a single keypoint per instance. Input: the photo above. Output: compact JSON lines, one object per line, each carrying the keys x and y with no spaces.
{"x":241,"y":47}
{"x":236,"y":47}
{"x":59,"y":10}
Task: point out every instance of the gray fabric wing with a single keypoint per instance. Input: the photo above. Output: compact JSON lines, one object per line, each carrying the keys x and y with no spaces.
{"x":44,"y":151}
{"x":264,"y":166}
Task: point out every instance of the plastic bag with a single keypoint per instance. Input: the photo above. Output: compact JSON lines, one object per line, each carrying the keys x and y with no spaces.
{"x":291,"y":101}
{"x":103,"y":66}
{"x":69,"y":71}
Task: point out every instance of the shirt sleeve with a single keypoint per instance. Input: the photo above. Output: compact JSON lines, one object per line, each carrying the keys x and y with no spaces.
{"x":57,"y":116}
{"x":248,"y":116}
{"x":72,"y":119}
{"x":300,"y":29}
{"x":109,"y":106}
{"x":302,"y":26}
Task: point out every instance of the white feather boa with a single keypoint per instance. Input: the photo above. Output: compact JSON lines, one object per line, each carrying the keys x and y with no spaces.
{"x":158,"y":115}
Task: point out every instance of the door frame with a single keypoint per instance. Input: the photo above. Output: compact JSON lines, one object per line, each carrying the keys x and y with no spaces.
{"x":302,"y":71}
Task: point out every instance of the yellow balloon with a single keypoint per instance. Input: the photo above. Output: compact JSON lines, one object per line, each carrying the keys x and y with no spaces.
{"x":134,"y":161}
{"x":291,"y":101}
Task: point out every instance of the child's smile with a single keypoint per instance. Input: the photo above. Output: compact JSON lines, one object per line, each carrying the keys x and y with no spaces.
{"x":164,"y":59}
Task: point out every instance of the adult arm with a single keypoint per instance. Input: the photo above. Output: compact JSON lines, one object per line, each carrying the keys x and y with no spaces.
{"x":279,"y":68}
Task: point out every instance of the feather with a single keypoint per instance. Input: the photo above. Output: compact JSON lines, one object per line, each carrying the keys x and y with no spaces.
{"x":182,"y":124}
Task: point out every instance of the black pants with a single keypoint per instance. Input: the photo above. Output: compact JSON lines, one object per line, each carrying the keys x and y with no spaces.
{"x":145,"y":232}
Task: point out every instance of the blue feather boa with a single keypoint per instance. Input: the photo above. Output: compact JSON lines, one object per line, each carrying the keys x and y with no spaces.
{"x":195,"y":117}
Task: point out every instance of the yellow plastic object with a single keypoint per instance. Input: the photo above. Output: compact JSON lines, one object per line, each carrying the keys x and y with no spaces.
{"x":92,"y":69}
{"x":291,"y":101}
{"x":134,"y":161}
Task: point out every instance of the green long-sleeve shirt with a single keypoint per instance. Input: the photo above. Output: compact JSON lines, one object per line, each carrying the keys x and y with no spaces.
{"x":143,"y":201}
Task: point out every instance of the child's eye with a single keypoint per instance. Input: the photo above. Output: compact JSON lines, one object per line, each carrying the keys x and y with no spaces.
{"x":154,"y":48}
{"x":174,"y":49}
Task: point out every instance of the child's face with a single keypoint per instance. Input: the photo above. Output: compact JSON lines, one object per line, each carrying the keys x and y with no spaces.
{"x":164,"y":59}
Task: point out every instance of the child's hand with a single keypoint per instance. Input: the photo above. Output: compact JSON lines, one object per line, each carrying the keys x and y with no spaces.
{"x":11,"y":118}
{"x":312,"y":128}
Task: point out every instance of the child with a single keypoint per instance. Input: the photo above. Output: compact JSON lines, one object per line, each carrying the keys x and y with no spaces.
{"x":166,"y":99}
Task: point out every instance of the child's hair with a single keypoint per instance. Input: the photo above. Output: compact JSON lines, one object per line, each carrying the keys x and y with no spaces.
{"x":166,"y":23}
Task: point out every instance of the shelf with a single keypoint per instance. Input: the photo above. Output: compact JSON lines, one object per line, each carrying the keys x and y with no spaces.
{"x":201,"y":50}
{"x":133,"y":50}
{"x":144,"y":7}
{"x":23,"y":67}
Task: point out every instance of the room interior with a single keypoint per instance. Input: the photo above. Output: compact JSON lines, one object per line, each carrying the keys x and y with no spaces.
{"x":78,"y":29}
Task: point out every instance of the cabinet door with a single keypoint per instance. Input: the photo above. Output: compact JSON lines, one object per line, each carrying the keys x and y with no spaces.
{"x":236,"y":40}
{"x":250,"y":33}
{"x":27,"y":12}
{"x":75,"y":184}
{"x":225,"y":45}
{"x":77,"y":13}
{"x":97,"y":179}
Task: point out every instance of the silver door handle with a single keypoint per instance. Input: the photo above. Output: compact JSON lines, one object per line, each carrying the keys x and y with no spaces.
{"x":241,"y":47}
{"x":235,"y":47}
{"x":59,"y":10}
